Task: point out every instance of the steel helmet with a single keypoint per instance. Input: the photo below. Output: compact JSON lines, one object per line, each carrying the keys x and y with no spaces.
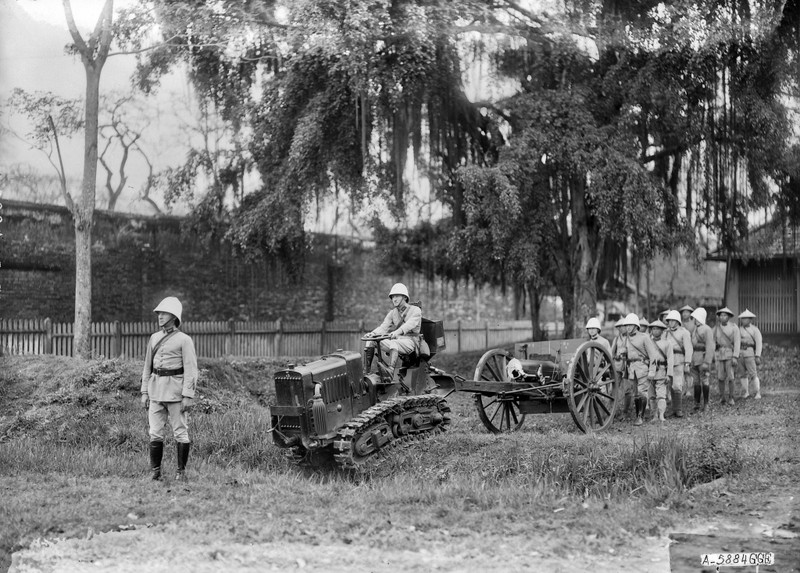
{"x":593,"y":323}
{"x":673,"y":315}
{"x":171,"y":305}
{"x":630,"y":320}
{"x":399,"y":288}
{"x":658,"y":324}
{"x":747,"y":314}
{"x":699,"y":314}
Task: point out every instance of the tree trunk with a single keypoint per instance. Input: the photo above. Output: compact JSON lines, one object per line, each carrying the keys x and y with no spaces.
{"x":93,"y":56}
{"x":535,"y":300}
{"x":584,"y":256}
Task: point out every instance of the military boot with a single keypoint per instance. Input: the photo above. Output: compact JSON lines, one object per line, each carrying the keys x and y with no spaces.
{"x":698,"y":396}
{"x":677,"y":404}
{"x":640,"y":403}
{"x":156,"y":453}
{"x":722,"y":392}
{"x":183,"y":457}
{"x":706,"y":393}
{"x":369,"y":355}
{"x":730,"y":384}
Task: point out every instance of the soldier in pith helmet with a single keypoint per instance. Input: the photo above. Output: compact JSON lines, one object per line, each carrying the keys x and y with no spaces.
{"x":681,"y":341}
{"x":168,"y":385}
{"x":727,"y":341}
{"x":664,"y":364}
{"x":644,"y":325}
{"x":618,"y":354}
{"x":702,"y":355}
{"x":593,"y":331}
{"x":641,"y":356}
{"x":403,"y":324}
{"x":750,"y":355}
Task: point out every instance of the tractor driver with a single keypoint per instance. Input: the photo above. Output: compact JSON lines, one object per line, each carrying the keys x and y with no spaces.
{"x":402,"y":324}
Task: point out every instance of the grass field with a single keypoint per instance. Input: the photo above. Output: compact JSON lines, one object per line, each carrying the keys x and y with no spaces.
{"x":73,"y":468}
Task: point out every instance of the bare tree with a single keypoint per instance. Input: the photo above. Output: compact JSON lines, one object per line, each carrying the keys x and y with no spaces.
{"x":93,"y":53}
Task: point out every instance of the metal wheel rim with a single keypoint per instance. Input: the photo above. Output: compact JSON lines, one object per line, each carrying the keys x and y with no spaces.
{"x":497,"y":415}
{"x":591,"y":388}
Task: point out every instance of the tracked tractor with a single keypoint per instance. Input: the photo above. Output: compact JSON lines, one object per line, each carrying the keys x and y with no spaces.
{"x":331,"y":408}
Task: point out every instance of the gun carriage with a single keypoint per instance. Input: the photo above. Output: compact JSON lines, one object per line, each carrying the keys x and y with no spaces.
{"x":574,"y":375}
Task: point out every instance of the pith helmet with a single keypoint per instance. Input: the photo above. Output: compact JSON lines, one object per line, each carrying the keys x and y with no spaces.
{"x":399,"y":288}
{"x":727,"y":311}
{"x":686,"y":307}
{"x":662,"y":313}
{"x":747,"y":314}
{"x":593,"y":323}
{"x":658,"y":324}
{"x":171,"y":305}
{"x":700,"y":315}
{"x":618,"y":323}
{"x":643,"y":322}
{"x":673,"y":315}
{"x":630,"y":320}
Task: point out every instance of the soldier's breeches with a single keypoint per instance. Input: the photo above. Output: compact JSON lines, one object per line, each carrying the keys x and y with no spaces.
{"x":402,"y":345}
{"x":627,"y":387}
{"x":678,"y":379}
{"x":661,"y":388}
{"x":160,"y":413}
{"x":725,"y":370}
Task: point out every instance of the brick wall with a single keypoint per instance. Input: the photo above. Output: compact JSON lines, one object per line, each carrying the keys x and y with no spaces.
{"x":139,"y":260}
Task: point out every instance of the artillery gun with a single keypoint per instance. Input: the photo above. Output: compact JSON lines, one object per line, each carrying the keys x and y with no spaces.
{"x":573,"y":375}
{"x":331,"y":408}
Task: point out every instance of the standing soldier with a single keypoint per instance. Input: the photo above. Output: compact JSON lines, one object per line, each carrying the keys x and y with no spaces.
{"x":686,"y":318}
{"x":702,"y":355}
{"x":593,"y":330}
{"x":168,"y":385}
{"x":644,"y":325}
{"x":618,"y":354}
{"x":662,"y":373}
{"x":728,"y":343}
{"x":641,"y":356}
{"x":681,"y":341}
{"x":751,"y":354}
{"x":688,"y":323}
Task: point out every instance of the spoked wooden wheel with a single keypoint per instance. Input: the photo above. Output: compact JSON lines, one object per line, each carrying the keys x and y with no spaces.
{"x":498,"y":413}
{"x":591,"y":387}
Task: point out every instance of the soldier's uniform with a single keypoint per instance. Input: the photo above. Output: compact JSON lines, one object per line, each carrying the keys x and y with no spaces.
{"x":617,"y":353}
{"x":403,"y":322}
{"x":728,"y":344}
{"x":640,"y":358}
{"x":168,"y":384}
{"x":687,"y":322}
{"x":664,"y":365}
{"x":750,"y":354}
{"x":702,"y":355}
{"x":681,"y":341}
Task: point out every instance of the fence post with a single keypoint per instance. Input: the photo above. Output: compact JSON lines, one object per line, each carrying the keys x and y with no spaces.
{"x":458,"y":335}
{"x":48,"y":336}
{"x":279,"y":339}
{"x":322,"y":334}
{"x":486,"y":330}
{"x":229,"y":337}
{"x":116,"y":344}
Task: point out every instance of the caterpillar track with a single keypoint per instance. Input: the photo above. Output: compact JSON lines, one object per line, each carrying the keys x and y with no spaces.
{"x":388,"y":425}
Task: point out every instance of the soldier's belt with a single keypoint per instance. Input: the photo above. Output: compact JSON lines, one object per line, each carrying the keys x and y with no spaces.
{"x":167,"y":372}
{"x":696,"y":348}
{"x":748,"y":345}
{"x":632,"y":360}
{"x":661,"y":362}
{"x":677,"y":351}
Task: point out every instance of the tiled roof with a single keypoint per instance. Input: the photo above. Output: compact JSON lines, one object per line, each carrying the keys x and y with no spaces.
{"x":775,"y":239}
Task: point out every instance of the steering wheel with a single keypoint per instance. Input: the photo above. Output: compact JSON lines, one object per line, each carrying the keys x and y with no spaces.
{"x":376,"y":338}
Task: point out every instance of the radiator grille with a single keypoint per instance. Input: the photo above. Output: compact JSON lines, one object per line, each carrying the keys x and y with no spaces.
{"x":320,"y":419}
{"x":287,"y":388}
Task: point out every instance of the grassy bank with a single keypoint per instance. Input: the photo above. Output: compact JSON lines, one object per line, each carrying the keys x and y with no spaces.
{"x":73,"y":461}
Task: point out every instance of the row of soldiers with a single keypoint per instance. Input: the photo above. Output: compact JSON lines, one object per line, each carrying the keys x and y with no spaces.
{"x":670,"y":358}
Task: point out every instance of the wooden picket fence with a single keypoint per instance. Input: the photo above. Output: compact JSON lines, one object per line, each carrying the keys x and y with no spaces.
{"x":236,"y":338}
